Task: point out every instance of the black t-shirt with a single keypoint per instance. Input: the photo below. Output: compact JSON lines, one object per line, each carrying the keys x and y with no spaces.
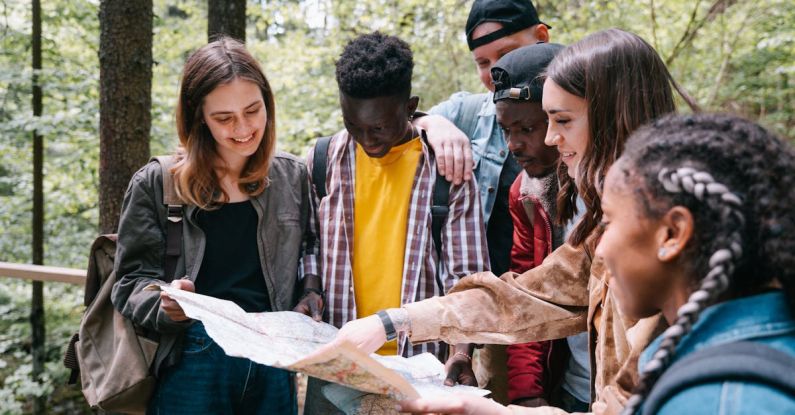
{"x":499,"y":234}
{"x":231,"y":267}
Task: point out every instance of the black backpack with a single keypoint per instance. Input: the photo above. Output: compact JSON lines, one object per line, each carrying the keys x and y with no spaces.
{"x":738,"y":361}
{"x":439,"y":209}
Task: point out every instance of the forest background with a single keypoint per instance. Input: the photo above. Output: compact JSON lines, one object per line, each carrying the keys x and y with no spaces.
{"x":732,"y":55}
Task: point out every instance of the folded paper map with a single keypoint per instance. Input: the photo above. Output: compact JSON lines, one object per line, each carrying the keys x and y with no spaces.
{"x":291,"y":341}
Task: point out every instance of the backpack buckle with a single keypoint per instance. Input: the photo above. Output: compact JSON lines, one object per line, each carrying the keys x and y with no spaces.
{"x":438,"y":210}
{"x":175,"y":213}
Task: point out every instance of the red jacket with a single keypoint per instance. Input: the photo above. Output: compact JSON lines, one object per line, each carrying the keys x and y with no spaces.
{"x":533,"y":368}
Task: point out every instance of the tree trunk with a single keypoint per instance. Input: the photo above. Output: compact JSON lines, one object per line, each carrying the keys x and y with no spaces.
{"x":38,"y":332}
{"x":226,"y":18}
{"x":125,"y":90}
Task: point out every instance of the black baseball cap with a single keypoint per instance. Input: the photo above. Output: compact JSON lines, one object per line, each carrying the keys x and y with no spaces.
{"x":517,"y":74}
{"x":514,"y":15}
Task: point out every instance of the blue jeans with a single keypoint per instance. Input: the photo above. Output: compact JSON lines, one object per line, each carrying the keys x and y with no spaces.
{"x":207,"y":381}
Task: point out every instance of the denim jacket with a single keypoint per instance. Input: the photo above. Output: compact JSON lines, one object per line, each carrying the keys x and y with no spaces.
{"x":763,"y":318}
{"x":489,"y":148}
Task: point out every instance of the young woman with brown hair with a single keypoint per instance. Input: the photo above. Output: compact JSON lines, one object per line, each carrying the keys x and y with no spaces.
{"x":248,"y":237}
{"x":597,"y":92}
{"x":623,"y":84}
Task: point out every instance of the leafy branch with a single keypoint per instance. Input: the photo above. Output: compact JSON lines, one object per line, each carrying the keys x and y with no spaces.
{"x":694,"y":25}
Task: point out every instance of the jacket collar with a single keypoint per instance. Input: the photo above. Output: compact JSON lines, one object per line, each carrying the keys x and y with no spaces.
{"x":735,"y":320}
{"x":489,"y":108}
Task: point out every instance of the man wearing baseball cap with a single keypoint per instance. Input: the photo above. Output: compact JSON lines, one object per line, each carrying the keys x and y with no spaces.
{"x":550,"y":372}
{"x":463,"y":132}
{"x":496,"y":27}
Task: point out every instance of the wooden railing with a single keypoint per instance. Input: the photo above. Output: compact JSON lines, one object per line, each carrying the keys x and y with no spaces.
{"x":43,"y":273}
{"x":40,"y":273}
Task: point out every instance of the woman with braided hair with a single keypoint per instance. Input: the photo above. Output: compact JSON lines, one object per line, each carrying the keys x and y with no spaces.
{"x":698,"y":225}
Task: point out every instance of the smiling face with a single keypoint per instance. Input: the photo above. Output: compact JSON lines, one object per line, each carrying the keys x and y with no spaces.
{"x":630,"y":245}
{"x":380,"y":123}
{"x":236,"y":117}
{"x":487,"y":55}
{"x":568,"y":124}
{"x":524,"y":125}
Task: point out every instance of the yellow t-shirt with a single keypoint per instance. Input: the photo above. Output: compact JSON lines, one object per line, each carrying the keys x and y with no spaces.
{"x":380,"y":216}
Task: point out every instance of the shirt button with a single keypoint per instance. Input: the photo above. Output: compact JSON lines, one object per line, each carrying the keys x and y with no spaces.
{"x":351,"y":290}
{"x":491,"y":189}
{"x":502,"y":153}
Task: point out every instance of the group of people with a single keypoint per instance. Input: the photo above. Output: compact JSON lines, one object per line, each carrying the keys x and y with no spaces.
{"x":567,"y":230}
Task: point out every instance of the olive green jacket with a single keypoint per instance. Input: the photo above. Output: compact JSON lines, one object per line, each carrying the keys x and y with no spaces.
{"x":285,"y":239}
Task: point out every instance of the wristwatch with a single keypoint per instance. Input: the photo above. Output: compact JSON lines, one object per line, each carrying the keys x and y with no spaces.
{"x":389,"y":328}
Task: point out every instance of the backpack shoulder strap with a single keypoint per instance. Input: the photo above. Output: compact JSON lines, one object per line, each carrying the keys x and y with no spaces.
{"x":440,"y":209}
{"x":467,"y":121}
{"x":319,"y":164}
{"x":467,"y":118}
{"x":737,"y":361}
{"x":170,"y":196}
{"x":175,"y":208}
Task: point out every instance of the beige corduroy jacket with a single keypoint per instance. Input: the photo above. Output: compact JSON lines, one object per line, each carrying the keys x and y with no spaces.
{"x":567,"y":294}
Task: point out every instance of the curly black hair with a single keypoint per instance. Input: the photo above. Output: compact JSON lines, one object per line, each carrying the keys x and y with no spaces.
{"x":375,"y":65}
{"x":737,"y":180}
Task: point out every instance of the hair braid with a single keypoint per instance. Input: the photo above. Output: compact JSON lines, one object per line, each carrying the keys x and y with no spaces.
{"x":721,"y":266}
{"x":743,"y":242}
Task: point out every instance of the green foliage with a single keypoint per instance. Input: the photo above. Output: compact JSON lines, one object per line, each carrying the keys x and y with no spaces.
{"x":69,"y":124}
{"x":179,"y":28}
{"x":731,"y":55}
{"x":298,"y":42}
{"x":18,"y":387}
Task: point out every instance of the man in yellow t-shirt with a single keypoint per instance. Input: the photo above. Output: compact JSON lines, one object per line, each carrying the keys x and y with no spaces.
{"x":377,"y":249}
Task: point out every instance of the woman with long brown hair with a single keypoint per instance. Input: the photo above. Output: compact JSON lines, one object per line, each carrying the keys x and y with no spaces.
{"x":248,"y":237}
{"x":596,"y":93}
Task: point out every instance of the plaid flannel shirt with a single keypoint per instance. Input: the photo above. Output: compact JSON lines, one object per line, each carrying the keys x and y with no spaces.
{"x":464,"y":250}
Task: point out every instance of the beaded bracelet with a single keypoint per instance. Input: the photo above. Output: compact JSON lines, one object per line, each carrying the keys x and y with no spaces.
{"x":468,"y":357}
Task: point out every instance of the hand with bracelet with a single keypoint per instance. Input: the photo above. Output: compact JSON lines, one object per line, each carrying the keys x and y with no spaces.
{"x":459,"y":366}
{"x":312,"y":300}
{"x":370,"y":333}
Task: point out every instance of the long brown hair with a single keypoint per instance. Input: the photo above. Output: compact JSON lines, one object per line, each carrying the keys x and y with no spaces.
{"x":625,"y":84}
{"x":217,"y":63}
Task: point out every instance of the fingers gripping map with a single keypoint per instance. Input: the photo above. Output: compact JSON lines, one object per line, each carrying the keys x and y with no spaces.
{"x":293,"y":341}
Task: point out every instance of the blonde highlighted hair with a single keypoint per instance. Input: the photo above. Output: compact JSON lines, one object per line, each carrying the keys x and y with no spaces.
{"x":217,"y":63}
